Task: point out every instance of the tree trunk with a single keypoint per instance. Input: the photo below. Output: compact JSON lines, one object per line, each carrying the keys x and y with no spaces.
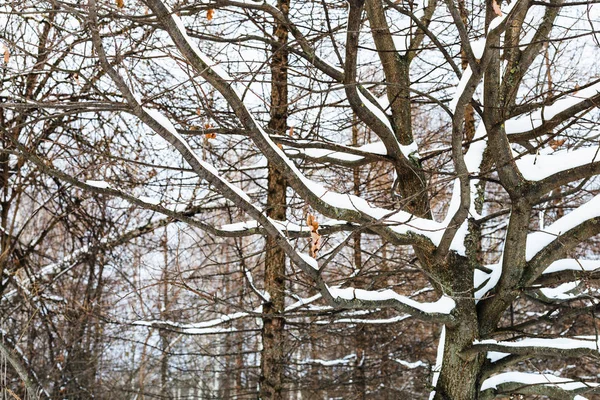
{"x":360,"y":334}
{"x":458,"y":379}
{"x":272,"y":360}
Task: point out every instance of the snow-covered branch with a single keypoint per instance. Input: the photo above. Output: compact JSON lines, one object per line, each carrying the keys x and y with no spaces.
{"x":536,"y":384}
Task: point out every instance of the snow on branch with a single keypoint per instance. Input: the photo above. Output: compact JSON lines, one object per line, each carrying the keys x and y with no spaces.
{"x":331,"y":204}
{"x":399,"y":222}
{"x":536,"y":384}
{"x":373,"y":321}
{"x":535,"y":167}
{"x":547,"y":117}
{"x":329,"y":363}
{"x":484,"y":282}
{"x":335,"y":153}
{"x":200,"y":328}
{"x":572,"y":264}
{"x":537,"y":241}
{"x":566,"y":291}
{"x":554,"y":347}
{"x":570,"y":273}
{"x":436,"y":310}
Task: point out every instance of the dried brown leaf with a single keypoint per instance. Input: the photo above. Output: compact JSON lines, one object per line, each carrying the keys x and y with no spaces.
{"x":315,"y":236}
{"x":496,"y":8}
{"x":555,"y":144}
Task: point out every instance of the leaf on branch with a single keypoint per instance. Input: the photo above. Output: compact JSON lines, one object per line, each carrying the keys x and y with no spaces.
{"x":291,"y":132}
{"x":315,"y":236}
{"x":120,"y":3}
{"x":6,"y":54}
{"x":210,"y":135}
{"x":555,"y":144}
{"x":496,"y":8}
{"x":209,"y":14}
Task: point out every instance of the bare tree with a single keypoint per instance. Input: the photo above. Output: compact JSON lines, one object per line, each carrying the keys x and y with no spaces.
{"x":481,"y":154}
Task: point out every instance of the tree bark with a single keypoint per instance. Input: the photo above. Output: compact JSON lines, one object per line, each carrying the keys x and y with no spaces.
{"x":359,"y":376}
{"x":272,"y":360}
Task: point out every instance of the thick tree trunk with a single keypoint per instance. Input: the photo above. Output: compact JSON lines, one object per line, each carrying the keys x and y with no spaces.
{"x":272,"y":360}
{"x":460,"y":372}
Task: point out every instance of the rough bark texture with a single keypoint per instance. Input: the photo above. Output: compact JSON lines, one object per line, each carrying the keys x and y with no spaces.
{"x":271,"y":379}
{"x":361,"y":338}
{"x":458,"y":379}
{"x":411,"y":181}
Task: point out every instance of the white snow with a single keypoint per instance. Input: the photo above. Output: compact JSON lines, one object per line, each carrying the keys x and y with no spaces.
{"x":444,"y":305}
{"x":376,"y":321}
{"x":239,"y":226}
{"x":205,"y":59}
{"x":166,"y":123}
{"x":303,"y":302}
{"x":377,"y":147}
{"x":554,"y":343}
{"x":330,"y":363}
{"x":338,"y":155}
{"x":492,"y":280}
{"x":534,"y":379}
{"x":200,"y":328}
{"x":410,"y":150}
{"x":472,"y":160}
{"x":537,"y":167}
{"x":375,"y":110}
{"x":561,"y":292}
{"x":526,"y":123}
{"x":494,"y":356}
{"x":98,"y":184}
{"x":454,"y":206}
{"x":474,"y":156}
{"x":411,"y":365}
{"x":309,"y":260}
{"x":572,"y":264}
{"x":478,"y":47}
{"x":537,"y":241}
{"x":460,"y":88}
{"x":149,"y":200}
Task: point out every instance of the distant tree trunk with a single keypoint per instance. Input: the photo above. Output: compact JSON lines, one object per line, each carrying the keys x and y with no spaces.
{"x":360,"y":333}
{"x":271,"y":379}
{"x":164,"y":314}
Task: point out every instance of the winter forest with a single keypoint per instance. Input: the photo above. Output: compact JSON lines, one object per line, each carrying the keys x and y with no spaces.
{"x":280,"y":199}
